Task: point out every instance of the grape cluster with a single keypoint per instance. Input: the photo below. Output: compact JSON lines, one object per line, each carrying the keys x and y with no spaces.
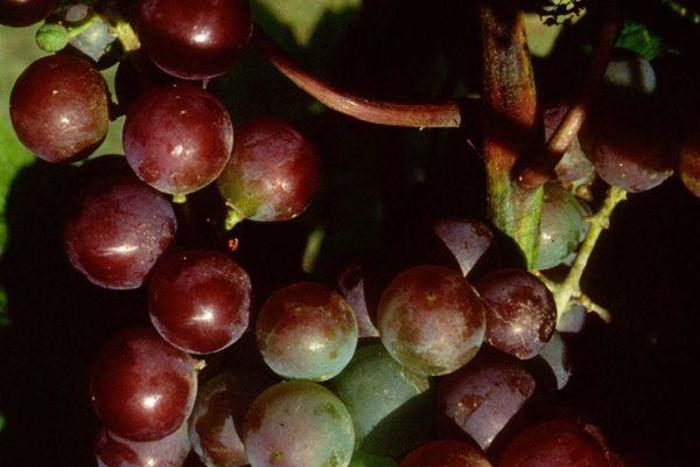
{"x":323,"y":376}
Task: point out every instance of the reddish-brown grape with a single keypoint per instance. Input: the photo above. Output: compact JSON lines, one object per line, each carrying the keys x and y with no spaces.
{"x":118,"y":230}
{"x":555,"y":444}
{"x":689,"y":167}
{"x":194,"y":40}
{"x":19,"y":13}
{"x":482,"y":397}
{"x":431,"y":320}
{"x":520,"y":312}
{"x":199,"y":301}
{"x":446,"y":453}
{"x":178,"y":138}
{"x":298,"y":423}
{"x":59,"y":108}
{"x":142,"y":388}
{"x":114,"y":451}
{"x":306,"y":331}
{"x":219,"y":413}
{"x":273,"y":172}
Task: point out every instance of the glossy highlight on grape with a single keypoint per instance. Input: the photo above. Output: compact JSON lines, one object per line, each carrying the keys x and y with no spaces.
{"x":118,"y":230}
{"x":199,"y":300}
{"x":431,"y":320}
{"x":177,"y":138}
{"x":59,"y":108}
{"x":142,"y":388}
{"x":306,"y":331}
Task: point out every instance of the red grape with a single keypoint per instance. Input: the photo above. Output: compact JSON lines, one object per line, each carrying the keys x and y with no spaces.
{"x":446,"y":453}
{"x":59,"y":108}
{"x":118,"y":231}
{"x":555,"y":444}
{"x":114,"y":451}
{"x":178,"y":138}
{"x":272,"y":174}
{"x":298,"y":424}
{"x":689,"y":167}
{"x":482,"y":397}
{"x":306,"y":331}
{"x":142,"y":388}
{"x":219,"y":414}
{"x":20,"y":13}
{"x":194,"y":40}
{"x":431,"y":320}
{"x":199,"y":300}
{"x":520,"y":312}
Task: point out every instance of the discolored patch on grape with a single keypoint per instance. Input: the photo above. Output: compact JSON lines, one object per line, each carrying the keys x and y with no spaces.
{"x":327,"y":408}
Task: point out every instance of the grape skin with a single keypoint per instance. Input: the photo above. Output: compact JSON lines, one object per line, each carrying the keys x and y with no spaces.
{"x":273,"y":172}
{"x":178,"y":138}
{"x":59,"y":108}
{"x":20,"y":13}
{"x":431,"y":320}
{"x":141,"y":387}
{"x":114,"y":451}
{"x":117,"y":232}
{"x":298,"y":423}
{"x":446,"y":453}
{"x":194,"y":40}
{"x":306,"y":331}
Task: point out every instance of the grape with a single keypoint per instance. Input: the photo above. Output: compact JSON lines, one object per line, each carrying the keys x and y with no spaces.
{"x":194,"y":40}
{"x":482,"y":397}
{"x":118,"y":231}
{"x":142,"y":388}
{"x":298,"y":423}
{"x":520,"y":312}
{"x":689,"y":167}
{"x":467,"y":240}
{"x":554,"y":443}
{"x":59,"y":108}
{"x":218,"y":416}
{"x":19,"y":13}
{"x":273,"y":172}
{"x":562,"y":226}
{"x":626,"y":69}
{"x":306,"y":331}
{"x":178,"y":138}
{"x":381,"y":396}
{"x":446,"y":453}
{"x":114,"y":451}
{"x":431,"y":320}
{"x":199,"y":301}
{"x":351,"y":282}
{"x":573,"y":165}
{"x":556,"y":356}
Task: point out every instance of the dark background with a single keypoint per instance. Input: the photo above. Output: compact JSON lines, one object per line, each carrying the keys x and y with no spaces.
{"x":383,"y":189}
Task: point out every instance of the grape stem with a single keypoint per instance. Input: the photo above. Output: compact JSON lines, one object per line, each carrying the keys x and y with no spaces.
{"x":125,"y":33}
{"x":233,"y":217}
{"x":423,"y":115}
{"x":576,"y":115}
{"x":570,"y":288}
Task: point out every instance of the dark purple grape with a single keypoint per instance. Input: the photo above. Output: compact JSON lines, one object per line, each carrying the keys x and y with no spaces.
{"x":520,"y":312}
{"x":199,"y":300}
{"x":351,"y":282}
{"x":178,"y":138}
{"x":467,"y":240}
{"x":114,"y":451}
{"x":273,"y":172}
{"x":19,"y":13}
{"x":118,"y":231}
{"x":298,"y":423}
{"x":380,"y":394}
{"x":446,"y":453}
{"x":194,"y":40}
{"x":562,"y":226}
{"x":142,"y":388}
{"x":219,"y":414}
{"x":555,"y":444}
{"x":431,"y":320}
{"x":59,"y":108}
{"x":482,"y":397}
{"x":306,"y":331}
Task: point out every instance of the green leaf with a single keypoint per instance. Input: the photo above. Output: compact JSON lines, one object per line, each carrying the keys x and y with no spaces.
{"x":638,"y":38}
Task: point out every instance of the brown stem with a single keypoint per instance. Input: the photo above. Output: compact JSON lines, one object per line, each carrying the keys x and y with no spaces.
{"x":564,"y":135}
{"x":427,"y":115}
